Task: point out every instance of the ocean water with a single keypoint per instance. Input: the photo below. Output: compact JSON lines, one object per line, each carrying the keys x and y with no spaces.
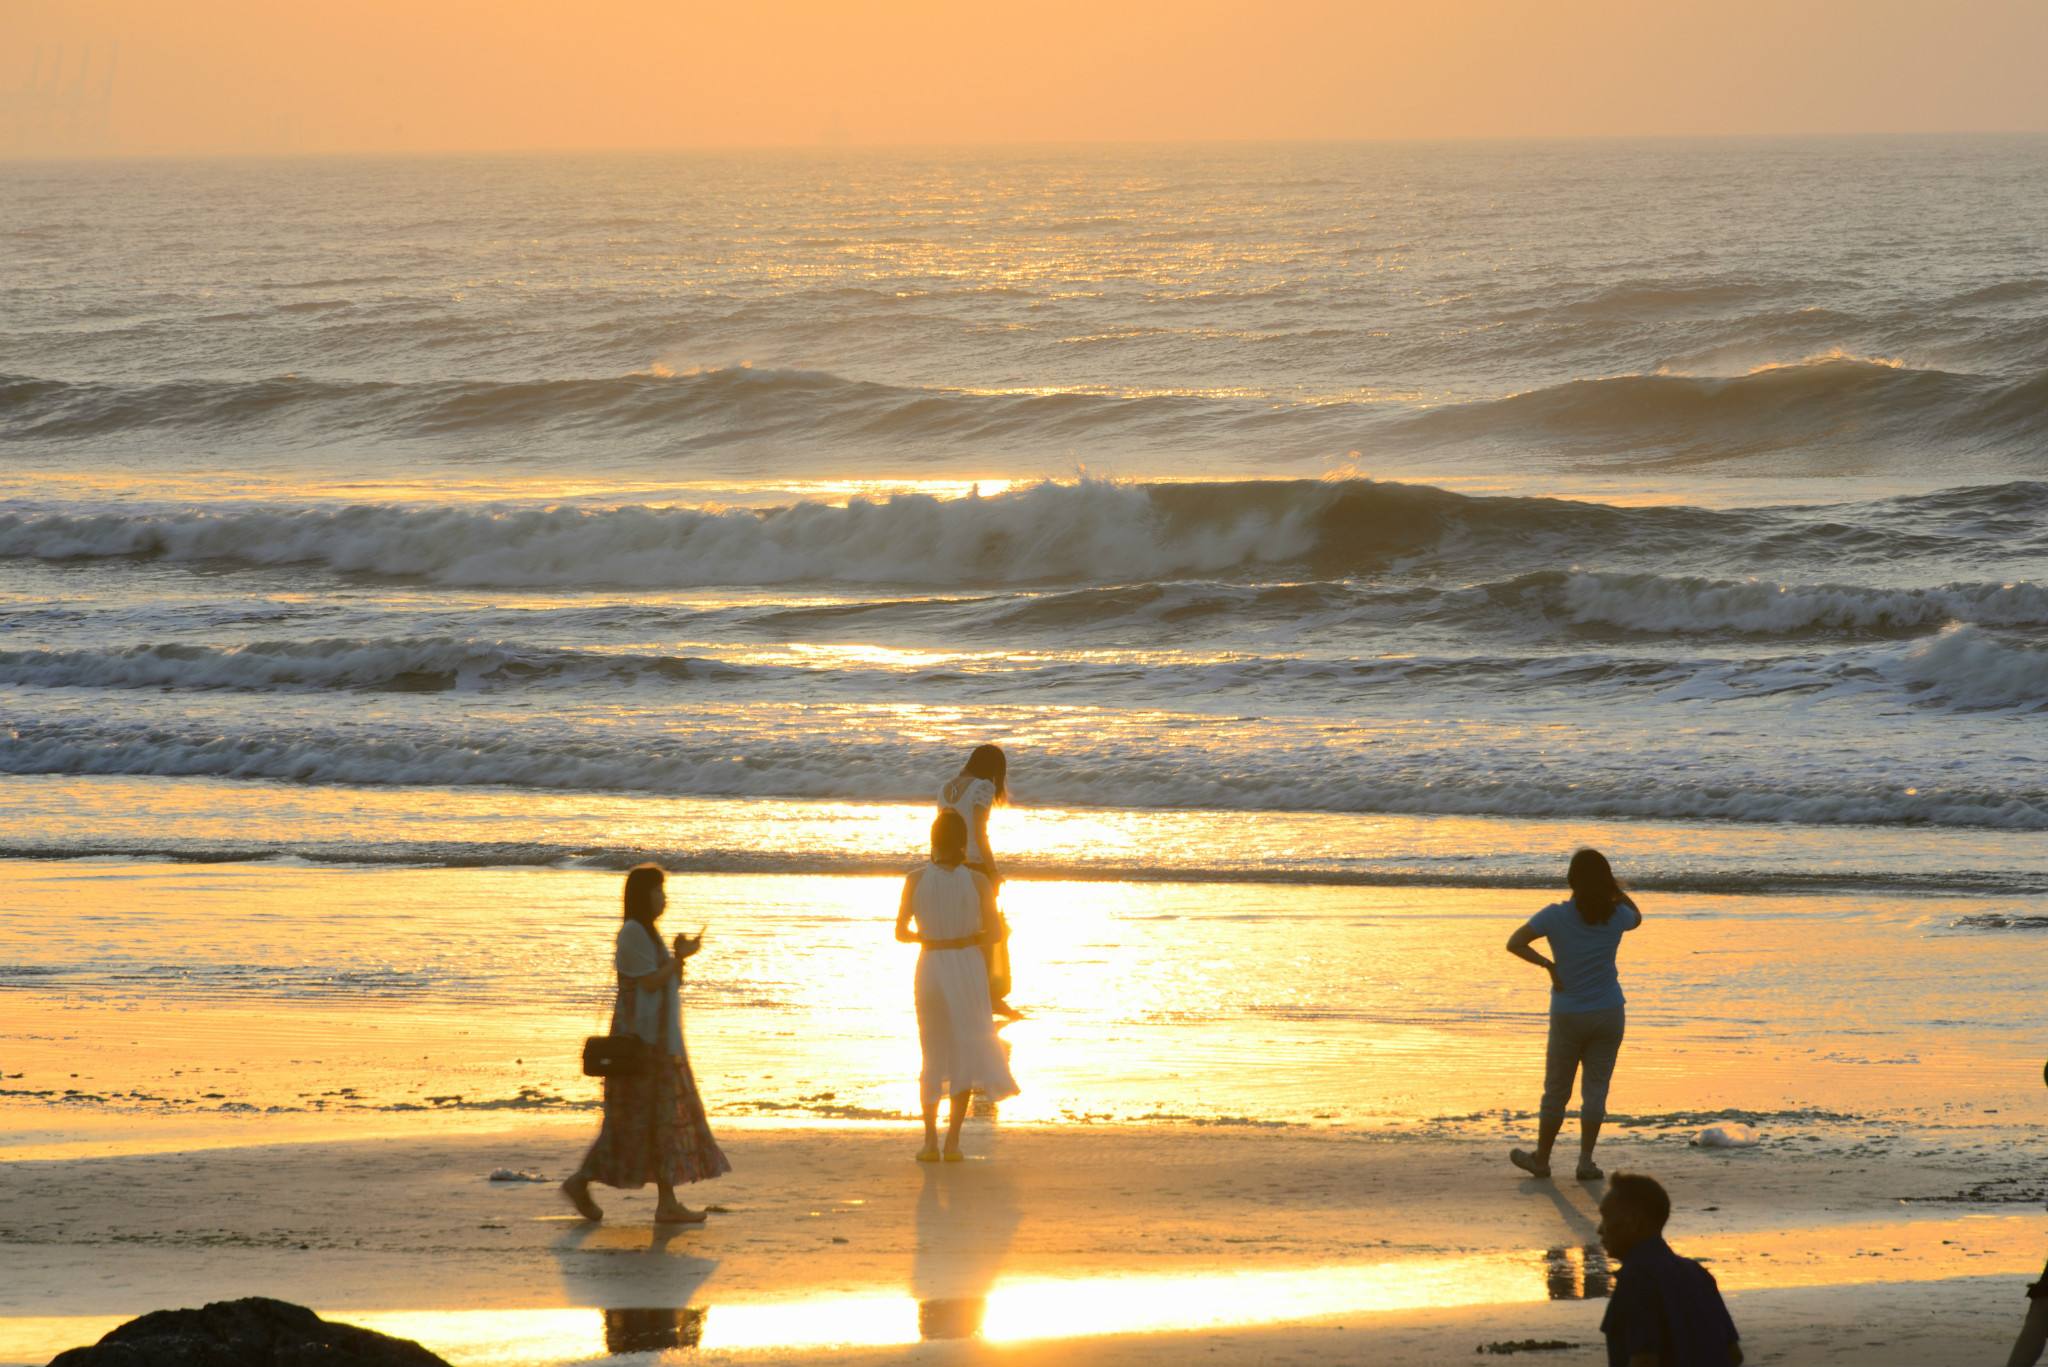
{"x":1298,"y":516}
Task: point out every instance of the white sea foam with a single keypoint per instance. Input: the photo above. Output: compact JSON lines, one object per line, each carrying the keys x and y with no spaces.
{"x":1091,"y":531}
{"x":1698,"y":605}
{"x":1488,"y":771}
{"x":1967,"y":668}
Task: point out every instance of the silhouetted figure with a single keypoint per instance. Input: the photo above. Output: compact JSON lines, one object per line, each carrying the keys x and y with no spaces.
{"x":953,"y":908}
{"x":1666,"y":1311}
{"x":655,"y":1129}
{"x":1588,"y":1014}
{"x":2026,"y":1349}
{"x":982,"y":783}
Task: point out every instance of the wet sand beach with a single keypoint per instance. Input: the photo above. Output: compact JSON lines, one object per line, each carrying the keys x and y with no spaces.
{"x":1089,"y":1244}
{"x":1286,"y":1143}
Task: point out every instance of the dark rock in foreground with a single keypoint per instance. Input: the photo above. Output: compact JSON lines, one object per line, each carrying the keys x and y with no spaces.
{"x":247,"y":1333}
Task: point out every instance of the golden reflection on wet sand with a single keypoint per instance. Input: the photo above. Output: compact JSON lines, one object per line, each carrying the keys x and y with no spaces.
{"x":1028,"y":1309}
{"x":1226,"y":1003}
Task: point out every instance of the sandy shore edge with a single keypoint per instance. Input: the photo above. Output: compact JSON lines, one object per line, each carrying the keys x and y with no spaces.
{"x":1084,"y":1245}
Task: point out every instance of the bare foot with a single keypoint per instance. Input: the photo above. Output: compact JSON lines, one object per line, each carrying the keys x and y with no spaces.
{"x":679,"y":1215}
{"x":951,"y":1153}
{"x":576,"y":1191}
{"x":928,"y":1154}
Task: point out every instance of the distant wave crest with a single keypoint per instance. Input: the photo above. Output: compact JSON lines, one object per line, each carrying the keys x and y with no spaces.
{"x":1831,"y":400}
{"x":1825,"y":401}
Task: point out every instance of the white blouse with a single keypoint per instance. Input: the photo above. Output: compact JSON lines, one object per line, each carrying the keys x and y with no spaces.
{"x":638,"y":1011}
{"x":978,"y":795}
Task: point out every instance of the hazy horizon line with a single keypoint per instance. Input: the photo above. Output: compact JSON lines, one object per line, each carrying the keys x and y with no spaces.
{"x":77,"y":156}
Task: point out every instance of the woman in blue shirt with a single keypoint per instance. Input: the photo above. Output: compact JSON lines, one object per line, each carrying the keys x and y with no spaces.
{"x":1587,"y":1011}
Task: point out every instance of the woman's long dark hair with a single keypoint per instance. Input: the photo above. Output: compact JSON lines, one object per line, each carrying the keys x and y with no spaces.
{"x":1595,"y":890}
{"x":642,"y":882}
{"x":989,"y":762}
{"x":949,"y":839}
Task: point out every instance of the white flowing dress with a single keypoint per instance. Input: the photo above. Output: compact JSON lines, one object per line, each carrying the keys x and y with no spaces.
{"x":961,"y":1052}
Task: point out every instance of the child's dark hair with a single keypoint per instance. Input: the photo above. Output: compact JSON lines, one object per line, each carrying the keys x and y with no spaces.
{"x":1643,"y":1195}
{"x":949,"y":838}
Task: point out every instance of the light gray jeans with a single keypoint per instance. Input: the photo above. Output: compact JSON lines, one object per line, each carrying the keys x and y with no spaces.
{"x":1588,"y":1039}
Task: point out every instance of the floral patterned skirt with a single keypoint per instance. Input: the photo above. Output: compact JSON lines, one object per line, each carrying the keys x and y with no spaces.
{"x":654,"y":1130}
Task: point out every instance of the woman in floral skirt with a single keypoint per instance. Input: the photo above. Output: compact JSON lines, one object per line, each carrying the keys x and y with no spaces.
{"x":654,"y":1124}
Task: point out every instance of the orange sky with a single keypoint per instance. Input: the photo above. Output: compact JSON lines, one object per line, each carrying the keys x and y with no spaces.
{"x":267,"y":76}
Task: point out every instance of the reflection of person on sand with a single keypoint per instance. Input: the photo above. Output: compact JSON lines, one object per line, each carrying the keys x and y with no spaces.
{"x":601,"y":1265}
{"x":652,"y":1331}
{"x":655,"y":1129}
{"x":965,"y":1222}
{"x":981,"y":783}
{"x":1666,"y":1310}
{"x":954,"y":911}
{"x":1586,"y":1276}
{"x":1587,"y":1011}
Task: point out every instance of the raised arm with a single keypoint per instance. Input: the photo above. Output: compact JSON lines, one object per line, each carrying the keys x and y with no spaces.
{"x":1519,"y":945}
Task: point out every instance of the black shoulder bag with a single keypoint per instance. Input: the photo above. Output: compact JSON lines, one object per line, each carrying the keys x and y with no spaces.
{"x":626,"y":1055}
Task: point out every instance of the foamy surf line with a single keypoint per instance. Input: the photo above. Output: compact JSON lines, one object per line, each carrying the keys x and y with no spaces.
{"x":1963,"y":667}
{"x":1646,"y":877}
{"x":1479,"y":780}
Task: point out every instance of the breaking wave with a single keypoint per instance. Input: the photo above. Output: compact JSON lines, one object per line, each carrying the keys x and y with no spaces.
{"x":1092,"y":531}
{"x":1967,"y":669}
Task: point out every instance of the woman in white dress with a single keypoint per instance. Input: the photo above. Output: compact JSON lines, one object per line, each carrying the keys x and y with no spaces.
{"x":949,"y":910}
{"x":981,"y":783}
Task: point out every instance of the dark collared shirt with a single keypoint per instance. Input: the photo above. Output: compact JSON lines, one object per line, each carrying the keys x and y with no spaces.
{"x":1667,"y":1305}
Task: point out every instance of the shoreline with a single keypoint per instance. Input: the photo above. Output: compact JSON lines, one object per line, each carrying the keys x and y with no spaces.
{"x":1113,"y":1243}
{"x":201,"y":822}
